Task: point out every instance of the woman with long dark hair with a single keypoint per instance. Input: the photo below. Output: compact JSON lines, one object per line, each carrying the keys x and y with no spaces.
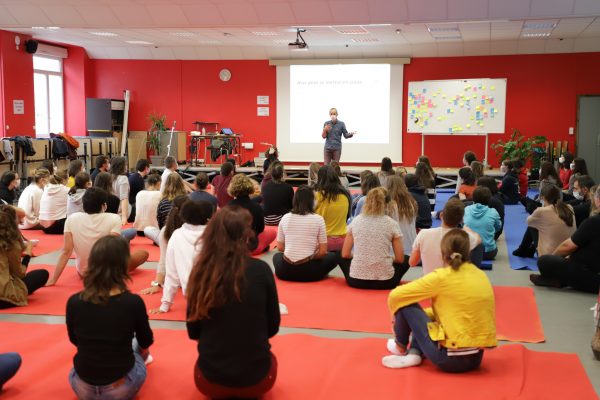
{"x":302,"y":242}
{"x":565,"y":172}
{"x":333,"y":204}
{"x":75,"y":200}
{"x":103,"y":320}
{"x":277,"y":195}
{"x":9,"y":184}
{"x":387,"y":169}
{"x":118,"y":170}
{"x":15,"y":282}
{"x":427,"y":180}
{"x":579,"y":168}
{"x":233,"y":310}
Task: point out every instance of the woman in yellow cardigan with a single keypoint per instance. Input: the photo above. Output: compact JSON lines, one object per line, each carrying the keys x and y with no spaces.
{"x":460,"y":324}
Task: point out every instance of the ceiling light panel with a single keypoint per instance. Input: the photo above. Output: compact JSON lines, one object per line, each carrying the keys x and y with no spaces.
{"x":265,"y":33}
{"x":539,"y":25}
{"x":365,"y":40}
{"x":183,"y":34}
{"x":350,"y":30}
{"x":104,"y":34}
{"x":536,"y":35}
{"x":138,"y":42}
{"x":442,"y":28}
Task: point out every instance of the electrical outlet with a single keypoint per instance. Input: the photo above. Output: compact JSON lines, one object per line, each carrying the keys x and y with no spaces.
{"x":571,"y":131}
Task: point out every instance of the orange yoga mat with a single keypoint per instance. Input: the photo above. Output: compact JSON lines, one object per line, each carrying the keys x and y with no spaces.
{"x":329,"y":304}
{"x":310,"y":367}
{"x":141,"y":243}
{"x":47,"y":243}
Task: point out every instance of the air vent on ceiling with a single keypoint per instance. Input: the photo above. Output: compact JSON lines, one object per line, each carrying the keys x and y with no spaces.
{"x":365,"y":40}
{"x":350,"y":30}
{"x":539,"y":25}
{"x":442,"y":28}
{"x":536,"y":35}
{"x":448,"y":37}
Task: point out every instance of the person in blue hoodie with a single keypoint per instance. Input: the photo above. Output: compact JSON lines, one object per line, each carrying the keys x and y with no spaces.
{"x":483,"y":220}
{"x":509,"y":188}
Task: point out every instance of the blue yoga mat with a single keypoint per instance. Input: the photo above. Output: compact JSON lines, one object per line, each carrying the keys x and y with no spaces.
{"x":515,"y":224}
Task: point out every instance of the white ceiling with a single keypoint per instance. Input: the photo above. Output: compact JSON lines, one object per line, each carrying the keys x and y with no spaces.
{"x":261,"y":29}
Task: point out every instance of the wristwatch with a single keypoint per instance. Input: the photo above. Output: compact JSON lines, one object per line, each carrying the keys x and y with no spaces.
{"x":155,"y":284}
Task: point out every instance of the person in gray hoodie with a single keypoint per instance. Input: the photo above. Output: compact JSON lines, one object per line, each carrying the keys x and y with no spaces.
{"x":483,"y":220}
{"x":75,"y":200}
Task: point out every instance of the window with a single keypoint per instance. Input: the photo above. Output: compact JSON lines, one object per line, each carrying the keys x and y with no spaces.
{"x":49,"y":99}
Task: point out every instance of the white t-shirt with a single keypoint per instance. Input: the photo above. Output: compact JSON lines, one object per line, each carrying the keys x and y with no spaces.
{"x":373,"y":235}
{"x":121,"y":187}
{"x":301,"y":234}
{"x":182,"y":249}
{"x":146,"y":204}
{"x":429,"y":241}
{"x":86,"y":229}
{"x":409,"y":233}
{"x":163,"y":178}
{"x":30,"y":203}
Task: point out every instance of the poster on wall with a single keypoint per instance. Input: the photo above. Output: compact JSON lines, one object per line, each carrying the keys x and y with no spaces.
{"x":262,"y":111}
{"x":262,"y":100}
{"x":18,"y":107}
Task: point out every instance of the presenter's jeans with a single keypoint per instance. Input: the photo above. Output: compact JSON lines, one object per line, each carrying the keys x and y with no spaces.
{"x":331,"y":155}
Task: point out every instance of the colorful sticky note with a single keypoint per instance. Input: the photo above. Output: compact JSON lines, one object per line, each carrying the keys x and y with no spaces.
{"x":443,"y":96}
{"x":477,"y":108}
{"x":439,"y":118}
{"x":472,"y":118}
{"x":452,"y":110}
{"x":483,"y":87}
{"x":469,"y":126}
{"x":492,"y":87}
{"x":462,"y":104}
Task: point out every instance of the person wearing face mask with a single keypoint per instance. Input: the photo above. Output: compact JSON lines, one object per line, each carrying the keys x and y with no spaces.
{"x":574,"y":263}
{"x":332,"y":133}
{"x":581,"y":191}
{"x":83,"y":229}
{"x":9,"y":183}
{"x":509,"y":188}
{"x":565,"y":171}
{"x":579,"y":168}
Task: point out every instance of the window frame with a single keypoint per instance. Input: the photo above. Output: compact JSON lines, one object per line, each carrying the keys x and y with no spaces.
{"x":51,"y":73}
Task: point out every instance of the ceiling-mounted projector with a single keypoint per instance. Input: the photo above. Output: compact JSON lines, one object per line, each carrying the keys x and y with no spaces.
{"x":300,"y":43}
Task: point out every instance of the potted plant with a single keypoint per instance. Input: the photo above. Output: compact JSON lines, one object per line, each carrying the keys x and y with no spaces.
{"x":157,"y":128}
{"x":518,"y":147}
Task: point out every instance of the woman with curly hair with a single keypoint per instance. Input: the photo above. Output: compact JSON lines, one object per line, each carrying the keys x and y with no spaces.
{"x":241,"y":188}
{"x":15,"y":282}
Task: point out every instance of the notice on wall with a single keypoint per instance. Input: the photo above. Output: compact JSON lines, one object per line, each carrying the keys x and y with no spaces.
{"x":262,"y":111}
{"x":18,"y":107}
{"x":263,"y":100}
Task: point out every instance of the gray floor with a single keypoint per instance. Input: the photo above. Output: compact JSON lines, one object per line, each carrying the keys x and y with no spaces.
{"x":566,"y":315}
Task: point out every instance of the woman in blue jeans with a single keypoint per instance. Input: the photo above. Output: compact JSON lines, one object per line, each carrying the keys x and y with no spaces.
{"x":109,"y":326}
{"x":460,"y":324}
{"x":9,"y":365}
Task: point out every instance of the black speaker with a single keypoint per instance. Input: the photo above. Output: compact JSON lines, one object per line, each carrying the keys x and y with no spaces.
{"x":31,"y":46}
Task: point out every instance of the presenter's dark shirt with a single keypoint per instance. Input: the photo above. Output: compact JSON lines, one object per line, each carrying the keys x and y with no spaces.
{"x":334,"y":137}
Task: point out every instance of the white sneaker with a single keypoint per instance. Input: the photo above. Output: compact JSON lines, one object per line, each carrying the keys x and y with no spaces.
{"x":283,"y":310}
{"x":149,"y":359}
{"x":393,"y":348}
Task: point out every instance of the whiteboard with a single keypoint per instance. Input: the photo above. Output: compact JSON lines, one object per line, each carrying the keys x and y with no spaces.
{"x":459,"y":106}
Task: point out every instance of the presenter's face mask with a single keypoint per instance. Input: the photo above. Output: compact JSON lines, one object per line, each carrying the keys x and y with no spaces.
{"x":333,"y":117}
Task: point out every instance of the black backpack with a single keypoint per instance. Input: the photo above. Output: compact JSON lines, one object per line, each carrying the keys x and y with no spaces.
{"x":25,"y":143}
{"x":60,"y":148}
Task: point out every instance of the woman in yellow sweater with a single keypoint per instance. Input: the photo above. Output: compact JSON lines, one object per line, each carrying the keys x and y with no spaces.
{"x":333,"y":204}
{"x":460,"y":324}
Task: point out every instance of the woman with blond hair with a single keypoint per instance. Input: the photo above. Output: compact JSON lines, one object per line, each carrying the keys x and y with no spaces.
{"x":232,"y":311}
{"x":378,"y":258}
{"x":461,"y":323}
{"x":173,"y":187}
{"x":29,"y":201}
{"x":241,"y":188}
{"x":407,"y":211}
{"x":313,"y":170}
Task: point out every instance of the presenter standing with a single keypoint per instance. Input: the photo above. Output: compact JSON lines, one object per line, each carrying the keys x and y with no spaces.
{"x":332,"y":133}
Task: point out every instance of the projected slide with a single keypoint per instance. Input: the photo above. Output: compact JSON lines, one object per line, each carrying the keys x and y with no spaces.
{"x":360,"y":92}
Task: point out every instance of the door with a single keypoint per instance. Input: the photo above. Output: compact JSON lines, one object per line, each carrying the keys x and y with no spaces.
{"x":588,"y":133}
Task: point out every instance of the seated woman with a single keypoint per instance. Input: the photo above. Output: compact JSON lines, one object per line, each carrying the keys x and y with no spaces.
{"x":29,"y":201}
{"x":467,"y":160}
{"x":75,"y":167}
{"x":461,"y":323}
{"x":565,"y":171}
{"x":548,"y":226}
{"x":118,"y":170}
{"x":241,"y":188}
{"x":387,"y":169}
{"x":103,"y":320}
{"x":375,"y":237}
{"x":338,"y":170}
{"x":417,"y":191}
{"x":368,"y":181}
{"x":547,"y":176}
{"x":183,"y":250}
{"x":146,"y":204}
{"x":407,"y":212}
{"x":53,"y":206}
{"x":173,"y":188}
{"x":9,"y":183}
{"x":509,"y":188}
{"x":333,"y":204}
{"x":579,"y":168}
{"x":467,"y":187}
{"x":172,"y":223}
{"x":427,"y":180}
{"x":104,"y":181}
{"x":15,"y":282}
{"x":75,"y":199}
{"x":483,"y":220}
{"x":302,"y":242}
{"x":495,"y":201}
{"x":277,"y":196}
{"x":522,"y":176}
{"x":232,"y":311}
{"x":574,"y":262}
{"x":313,"y":170}
{"x":477,"y":169}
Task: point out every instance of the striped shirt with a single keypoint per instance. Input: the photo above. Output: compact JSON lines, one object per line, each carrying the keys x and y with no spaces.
{"x":162,"y":212}
{"x":301,"y":234}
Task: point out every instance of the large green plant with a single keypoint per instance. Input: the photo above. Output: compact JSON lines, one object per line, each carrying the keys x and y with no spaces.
{"x":157,"y":126}
{"x":519,"y":147}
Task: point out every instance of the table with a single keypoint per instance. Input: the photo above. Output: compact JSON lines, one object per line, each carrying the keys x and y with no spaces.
{"x":235,"y":146}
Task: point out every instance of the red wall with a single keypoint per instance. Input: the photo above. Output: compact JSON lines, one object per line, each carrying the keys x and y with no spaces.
{"x":188,"y":91}
{"x":16,"y":68}
{"x":76,"y":81}
{"x":541,"y":98}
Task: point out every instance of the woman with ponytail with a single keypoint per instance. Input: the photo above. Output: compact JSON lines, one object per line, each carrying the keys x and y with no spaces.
{"x":75,"y":200}
{"x":552,"y":223}
{"x":372,"y":254}
{"x":461,"y":323}
{"x":232,"y":311}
